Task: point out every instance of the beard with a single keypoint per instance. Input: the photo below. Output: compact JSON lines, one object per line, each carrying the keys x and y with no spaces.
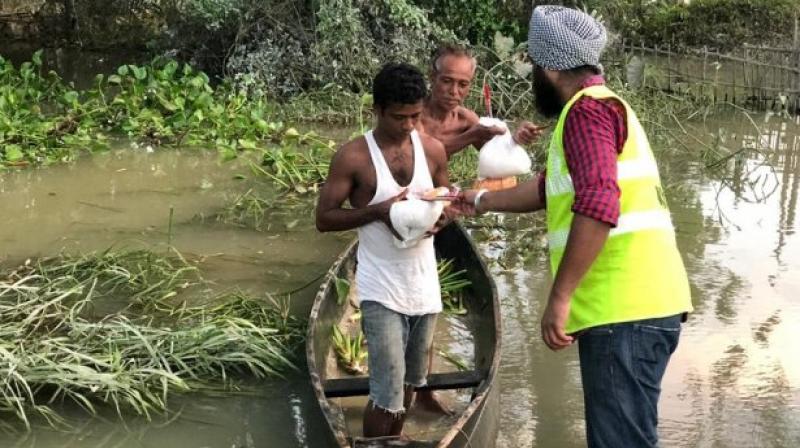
{"x":548,"y":101}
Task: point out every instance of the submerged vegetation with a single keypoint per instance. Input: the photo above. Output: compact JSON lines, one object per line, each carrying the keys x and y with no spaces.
{"x":114,"y":329}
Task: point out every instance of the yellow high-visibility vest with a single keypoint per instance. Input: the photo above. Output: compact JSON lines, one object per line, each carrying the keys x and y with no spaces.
{"x":639,"y":273}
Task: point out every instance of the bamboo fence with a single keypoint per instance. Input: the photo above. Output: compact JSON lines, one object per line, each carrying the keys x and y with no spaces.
{"x":760,"y":77}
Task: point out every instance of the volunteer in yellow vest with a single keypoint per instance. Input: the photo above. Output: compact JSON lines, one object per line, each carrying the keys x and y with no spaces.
{"x":620,"y":288}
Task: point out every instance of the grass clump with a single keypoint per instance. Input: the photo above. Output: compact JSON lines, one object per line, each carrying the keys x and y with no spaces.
{"x":350,"y":351}
{"x":452,"y":283}
{"x":107,"y":330}
{"x":456,"y":361}
{"x":248,"y":209}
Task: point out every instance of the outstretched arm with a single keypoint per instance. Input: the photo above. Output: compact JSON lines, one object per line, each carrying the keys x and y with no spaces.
{"x":525,"y":197}
{"x":437,"y":163}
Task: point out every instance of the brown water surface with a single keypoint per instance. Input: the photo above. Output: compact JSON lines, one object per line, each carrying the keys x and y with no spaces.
{"x":733,"y":382}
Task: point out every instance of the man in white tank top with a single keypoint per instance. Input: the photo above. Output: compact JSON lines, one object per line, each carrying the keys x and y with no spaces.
{"x":398,"y":289}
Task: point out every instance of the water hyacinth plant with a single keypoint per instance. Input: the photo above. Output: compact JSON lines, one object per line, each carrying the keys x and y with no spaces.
{"x":44,"y":120}
{"x":300,"y":165}
{"x":106,"y":330}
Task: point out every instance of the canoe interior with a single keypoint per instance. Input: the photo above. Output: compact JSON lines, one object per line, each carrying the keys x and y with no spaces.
{"x":475,"y":336}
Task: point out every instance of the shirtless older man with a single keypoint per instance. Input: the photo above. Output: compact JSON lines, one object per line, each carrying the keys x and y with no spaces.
{"x":444,"y":116}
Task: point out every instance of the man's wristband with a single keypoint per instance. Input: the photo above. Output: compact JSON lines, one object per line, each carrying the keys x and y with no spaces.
{"x":477,"y":201}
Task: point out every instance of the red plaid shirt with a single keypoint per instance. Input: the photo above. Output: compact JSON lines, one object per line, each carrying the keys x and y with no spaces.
{"x":594,"y":134}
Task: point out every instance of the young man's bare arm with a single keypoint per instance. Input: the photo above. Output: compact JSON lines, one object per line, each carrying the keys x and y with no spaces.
{"x":331,"y":216}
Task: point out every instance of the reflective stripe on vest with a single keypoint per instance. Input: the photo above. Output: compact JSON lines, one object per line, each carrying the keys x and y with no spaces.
{"x":629,"y":169}
{"x":629,"y":222}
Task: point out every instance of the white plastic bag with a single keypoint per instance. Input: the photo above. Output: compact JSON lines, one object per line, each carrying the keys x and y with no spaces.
{"x":501,"y":156}
{"x":413,"y":218}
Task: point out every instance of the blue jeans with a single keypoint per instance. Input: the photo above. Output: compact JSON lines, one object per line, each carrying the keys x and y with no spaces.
{"x":621,"y":369}
{"x":398,"y":346}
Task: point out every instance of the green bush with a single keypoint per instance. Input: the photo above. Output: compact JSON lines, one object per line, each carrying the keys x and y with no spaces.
{"x":477,"y":21}
{"x":345,"y":45}
{"x":725,"y":23}
{"x":282,"y":48}
{"x":722,"y":24}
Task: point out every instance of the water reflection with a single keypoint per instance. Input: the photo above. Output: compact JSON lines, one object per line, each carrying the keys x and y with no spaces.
{"x":735,"y":380}
{"x":736,"y":374}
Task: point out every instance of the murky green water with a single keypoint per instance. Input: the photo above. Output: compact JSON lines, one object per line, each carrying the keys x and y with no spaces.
{"x":734,"y":381}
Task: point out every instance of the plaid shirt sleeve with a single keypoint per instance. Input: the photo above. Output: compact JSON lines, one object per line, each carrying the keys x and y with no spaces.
{"x":594,"y":134}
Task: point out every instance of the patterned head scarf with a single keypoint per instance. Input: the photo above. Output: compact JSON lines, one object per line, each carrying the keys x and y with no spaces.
{"x":561,"y":38}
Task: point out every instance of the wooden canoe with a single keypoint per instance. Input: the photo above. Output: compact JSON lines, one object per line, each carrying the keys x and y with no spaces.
{"x":475,"y":421}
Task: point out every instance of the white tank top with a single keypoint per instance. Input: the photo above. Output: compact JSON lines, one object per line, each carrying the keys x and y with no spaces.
{"x":403,"y":280}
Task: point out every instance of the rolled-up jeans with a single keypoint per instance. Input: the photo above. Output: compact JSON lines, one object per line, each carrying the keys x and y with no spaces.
{"x":621,"y":369}
{"x":398,"y":346}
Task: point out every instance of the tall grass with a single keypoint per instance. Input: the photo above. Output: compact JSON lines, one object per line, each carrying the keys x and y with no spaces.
{"x":452,"y":284}
{"x":58,"y":345}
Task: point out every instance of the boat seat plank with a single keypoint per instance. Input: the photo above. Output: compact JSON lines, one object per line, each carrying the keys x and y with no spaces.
{"x":392,"y":441}
{"x":357,"y":386}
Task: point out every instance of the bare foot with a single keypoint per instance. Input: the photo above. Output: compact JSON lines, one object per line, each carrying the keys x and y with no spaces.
{"x":428,"y":401}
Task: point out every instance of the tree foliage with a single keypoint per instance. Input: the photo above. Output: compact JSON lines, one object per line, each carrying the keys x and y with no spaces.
{"x":280,"y":48}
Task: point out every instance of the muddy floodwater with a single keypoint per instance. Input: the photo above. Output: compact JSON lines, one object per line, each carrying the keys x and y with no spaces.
{"x":733,"y":382}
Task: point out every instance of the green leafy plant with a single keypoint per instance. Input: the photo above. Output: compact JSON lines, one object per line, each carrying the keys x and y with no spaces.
{"x":296,"y":168}
{"x":342,"y":290}
{"x":454,"y":360}
{"x":477,"y":21}
{"x":452,"y":283}
{"x":350,"y":351}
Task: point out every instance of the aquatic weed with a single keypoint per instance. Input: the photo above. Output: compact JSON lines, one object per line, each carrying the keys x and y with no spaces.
{"x":109,"y":330}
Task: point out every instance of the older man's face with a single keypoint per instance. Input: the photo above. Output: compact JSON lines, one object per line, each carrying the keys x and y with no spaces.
{"x":451,"y":82}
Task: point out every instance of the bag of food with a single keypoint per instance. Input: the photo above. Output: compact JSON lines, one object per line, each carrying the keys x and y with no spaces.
{"x":414,"y":217}
{"x":501,"y":156}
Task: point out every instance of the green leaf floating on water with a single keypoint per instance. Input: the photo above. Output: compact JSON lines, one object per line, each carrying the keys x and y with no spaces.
{"x":342,"y":290}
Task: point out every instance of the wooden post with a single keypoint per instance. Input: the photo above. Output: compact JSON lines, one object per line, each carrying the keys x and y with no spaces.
{"x":745,"y":81}
{"x":797,"y":48}
{"x":669,"y":67}
{"x":796,"y":29}
{"x":70,"y":19}
{"x":703,"y":84}
{"x":733,"y":91}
